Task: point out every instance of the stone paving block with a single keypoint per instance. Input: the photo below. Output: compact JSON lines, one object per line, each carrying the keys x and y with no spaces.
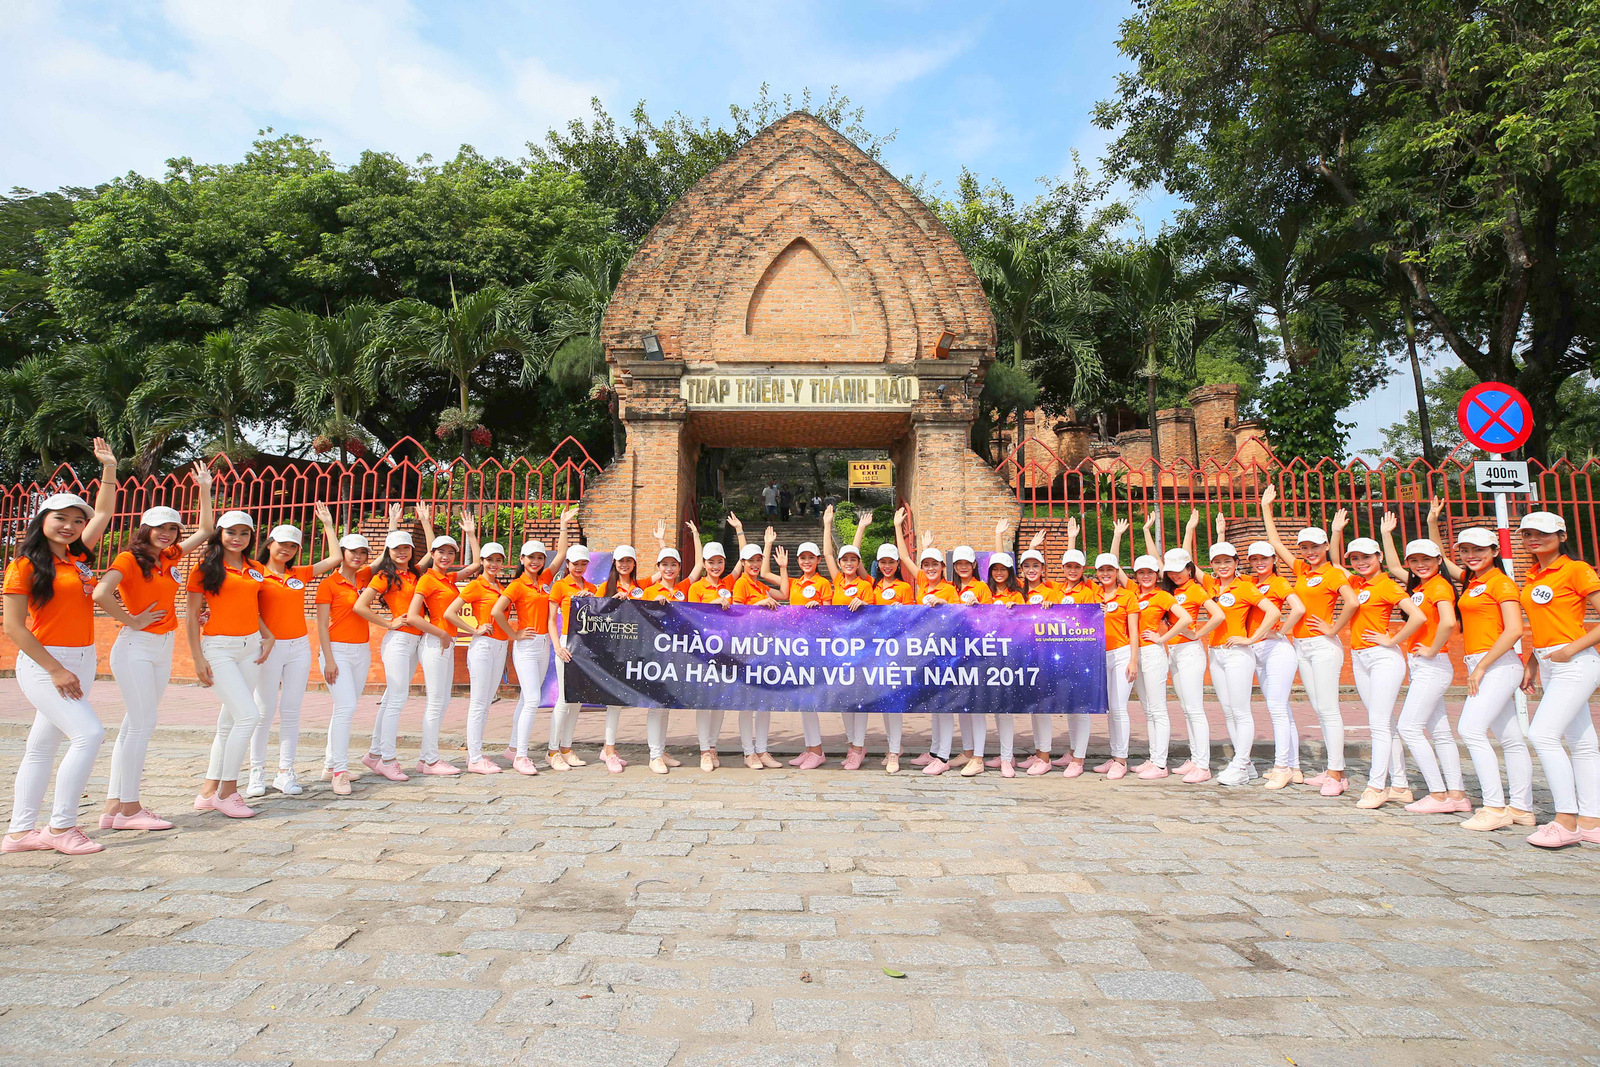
{"x":599,"y":944}
{"x":643,"y":976}
{"x":192,"y":995}
{"x":245,"y":933}
{"x":515,"y":940}
{"x":745,"y":1054}
{"x":1000,"y":1016}
{"x":179,"y":1035}
{"x":1523,"y":988}
{"x":339,"y":1042}
{"x":185,"y":959}
{"x":1278,"y":1020}
{"x":1317,"y":955}
{"x":555,"y":971}
{"x":787,"y":926}
{"x":1431,"y":956}
{"x":726,"y":949}
{"x":215,"y":885}
{"x":488,"y":918}
{"x":1399,"y":1021}
{"x":431,"y":967}
{"x":437,"y":1043}
{"x":1152,"y":985}
{"x":562,"y":1048}
{"x":1530,"y":1027}
{"x":322,"y":1000}
{"x":819,"y":1015}
{"x":581,"y":1012}
{"x":432,"y":1005}
{"x":49,"y":989}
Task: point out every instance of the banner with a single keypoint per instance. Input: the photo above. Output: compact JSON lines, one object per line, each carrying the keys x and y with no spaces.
{"x":891,"y":660}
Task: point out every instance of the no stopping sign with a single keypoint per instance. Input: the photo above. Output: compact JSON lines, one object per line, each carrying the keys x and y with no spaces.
{"x":1495,"y":417}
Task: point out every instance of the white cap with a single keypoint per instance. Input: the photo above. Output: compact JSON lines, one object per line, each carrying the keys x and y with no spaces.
{"x":1105,"y":559}
{"x":443,"y":540}
{"x":625,"y":552}
{"x":1223,"y":548}
{"x":668,"y":553}
{"x":286,"y":535}
{"x":1312,"y":535}
{"x":888,"y":551}
{"x":493,"y":548}
{"x":713,"y":548}
{"x":1032,"y":553}
{"x":1072,"y":555}
{"x":1176,"y":559}
{"x":578,"y":553}
{"x":350,"y":542}
{"x":398,"y":539}
{"x":1002,"y":559}
{"x":1422,"y":546}
{"x":63,"y":501}
{"x":160,"y":517}
{"x":752,"y":552}
{"x":1147,"y":563}
{"x":534,"y":548}
{"x":1542,"y":521}
{"x":1477,"y":535}
{"x":1364,"y":545}
{"x":931,"y":553}
{"x":235,"y":518}
{"x":808,"y":546}
{"x":851,"y":550}
{"x":1260,"y":548}
{"x":963,"y":553}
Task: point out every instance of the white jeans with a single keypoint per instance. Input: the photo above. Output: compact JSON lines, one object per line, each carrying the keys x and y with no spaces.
{"x":1188,"y":667}
{"x":655,"y":731}
{"x":753,"y":727}
{"x":855,"y":725}
{"x":438,"y":675}
{"x":1044,"y":730}
{"x":1423,"y":715}
{"x":708,"y":724}
{"x":354,"y":659}
{"x":1233,"y":677}
{"x":1152,"y":688}
{"x":142,"y":665}
{"x":531,"y":657}
{"x":234,"y":673}
{"x":1275,"y":667}
{"x":1320,"y":659}
{"x":399,"y":652}
{"x":280,"y":691}
{"x":1005,"y":725}
{"x":486,"y":665}
{"x":974,"y":732}
{"x":1493,"y":710}
{"x":1563,"y":715}
{"x":56,"y":717}
{"x":564,"y":716}
{"x":1118,"y":688}
{"x":1379,"y":672}
{"x":811,"y":728}
{"x":941,"y":734}
{"x":1079,"y":729}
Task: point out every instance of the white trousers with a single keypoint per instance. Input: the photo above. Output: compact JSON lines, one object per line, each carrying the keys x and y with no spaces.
{"x":438,"y":675}
{"x":974,"y":732}
{"x":531,"y":657}
{"x":56,"y":717}
{"x":1005,"y":725}
{"x":1563,"y":715}
{"x":280,"y":692}
{"x":855,"y":725}
{"x":1493,"y":711}
{"x":1152,"y":688}
{"x":855,"y":728}
{"x":399,"y":652}
{"x":142,"y":665}
{"x":486,"y":665}
{"x":708,"y":724}
{"x":1275,"y":667}
{"x":1422,"y":717}
{"x":354,"y":660}
{"x":1188,"y":667}
{"x":1044,"y":731}
{"x":1320,"y":659}
{"x":941,"y":734}
{"x":1118,"y":689}
{"x":1379,"y":672}
{"x":753,"y":727}
{"x":1233,"y":673}
{"x":1079,"y":729}
{"x":234,"y":673}
{"x":564,"y":716}
{"x":811,"y":728}
{"x":655,"y":731}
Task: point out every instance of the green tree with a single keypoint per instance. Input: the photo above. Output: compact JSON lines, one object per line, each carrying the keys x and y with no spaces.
{"x":571,"y":299}
{"x":29,"y":322}
{"x":89,"y":389}
{"x":207,"y":391}
{"x":325,"y":361}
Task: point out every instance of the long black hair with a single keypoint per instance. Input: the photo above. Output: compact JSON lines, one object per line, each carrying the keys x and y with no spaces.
{"x":390,"y":570}
{"x":1009,"y":585}
{"x":522,"y":568}
{"x":1166,"y":582}
{"x":213,"y":569}
{"x":1467,"y":577}
{"x":610,"y":587}
{"x":35,"y":548}
{"x":144,"y":551}
{"x":1412,"y":581}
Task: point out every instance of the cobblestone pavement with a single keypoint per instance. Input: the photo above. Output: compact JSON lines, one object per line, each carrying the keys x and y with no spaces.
{"x":750,"y":918}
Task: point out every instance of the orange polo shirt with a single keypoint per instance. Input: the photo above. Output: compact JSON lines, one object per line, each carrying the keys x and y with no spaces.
{"x":1189,"y":596}
{"x":235,"y":609}
{"x":67,"y":621}
{"x":1482,"y":622}
{"x":859,"y":587}
{"x":1318,"y":589}
{"x":160,"y":589}
{"x":709,"y":590}
{"x":1007,"y":596}
{"x":1554,"y":599}
{"x":396,"y":595}
{"x":972,"y":591}
{"x":531,"y":602}
{"x":1238,"y":600}
{"x":940,"y":592}
{"x":1375,"y":601}
{"x":894,"y":591}
{"x":662,"y":592}
{"x":283,"y":601}
{"x":563,"y":590}
{"x":1122,"y":603}
{"x":1428,"y":596}
{"x":1274,"y":587}
{"x":1153,"y":606}
{"x":438,"y":591}
{"x":1045,"y":593}
{"x":345,"y":627}
{"x":480,"y":597}
{"x":748,"y":590}
{"x":810,"y":589}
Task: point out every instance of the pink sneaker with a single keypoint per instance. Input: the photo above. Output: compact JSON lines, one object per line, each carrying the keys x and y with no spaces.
{"x":106,"y":820}
{"x":810,"y":761}
{"x":992,"y":762}
{"x":938,"y":766}
{"x":1185,"y":767}
{"x":1429,"y":806}
{"x":1030,"y":761}
{"x":1008,"y":768}
{"x":143,"y":819}
{"x":1150,"y":772}
{"x":28,"y":842}
{"x":1317,"y":779}
{"x":1591,"y":834}
{"x":483,"y":765}
{"x":390,"y":769}
{"x":1553,"y":835}
{"x":73,"y":842}
{"x":1062,"y":760}
{"x":1116,"y":770}
{"x":510,"y":753}
{"x":1102,"y":768}
{"x":1038,"y":767}
{"x":853,"y":759}
{"x":203,"y":802}
{"x":523,"y":765}
{"x":438,"y":767}
{"x":613,"y":762}
{"x":233,"y":806}
{"x":799,"y":759}
{"x":1074,"y":769}
{"x":1196,"y":775}
{"x":1333,"y":787}
{"x":923,"y":760}
{"x":374,"y":763}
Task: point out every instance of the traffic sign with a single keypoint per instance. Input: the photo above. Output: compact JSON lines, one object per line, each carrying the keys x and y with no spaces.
{"x":1495,"y":417}
{"x":1502,"y":476}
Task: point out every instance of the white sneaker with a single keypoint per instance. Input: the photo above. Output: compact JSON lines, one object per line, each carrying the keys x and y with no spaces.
{"x":287,"y":784}
{"x":258,"y":783}
{"x":1234,"y":774}
{"x":1251,"y":774}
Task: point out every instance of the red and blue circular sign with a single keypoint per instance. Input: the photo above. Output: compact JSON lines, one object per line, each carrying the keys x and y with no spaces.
{"x":1495,"y":417}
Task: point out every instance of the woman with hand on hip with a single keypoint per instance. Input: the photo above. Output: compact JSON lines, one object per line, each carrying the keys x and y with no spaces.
{"x":49,"y":616}
{"x":1274,"y":656}
{"x":473,"y":612}
{"x":810,"y":590}
{"x":1249,"y":616}
{"x":436,"y":590}
{"x":140,"y":592}
{"x":1491,"y":625}
{"x":1119,"y":599}
{"x":1187,"y":661}
{"x":564,"y":720}
{"x":931,"y":588}
{"x":1423,"y":714}
{"x":1155,"y":604}
{"x":281,"y":683}
{"x":344,"y":638}
{"x":225,"y":587}
{"x":1323,"y":589}
{"x":853,"y":588}
{"x":528,"y":593}
{"x":668,"y":588}
{"x":749,"y":589}
{"x":716,"y":587}
{"x":1564,"y":662}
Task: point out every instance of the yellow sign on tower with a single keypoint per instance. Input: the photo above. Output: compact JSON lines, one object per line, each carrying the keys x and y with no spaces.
{"x":871,"y":474}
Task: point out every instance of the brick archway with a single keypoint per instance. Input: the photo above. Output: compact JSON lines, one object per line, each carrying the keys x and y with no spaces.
{"x":799,"y":294}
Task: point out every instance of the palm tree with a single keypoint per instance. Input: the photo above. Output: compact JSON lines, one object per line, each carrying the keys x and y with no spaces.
{"x":325,"y":360}
{"x":210,"y":387}
{"x":25,"y":425}
{"x":88,"y":387}
{"x":571,"y":297}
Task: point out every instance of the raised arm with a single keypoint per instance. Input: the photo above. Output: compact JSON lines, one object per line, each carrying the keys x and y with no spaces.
{"x":1000,"y":535}
{"x":1269,"y":495}
{"x":330,"y":537}
{"x":863,"y":520}
{"x":563,"y":541}
{"x":105,"y":501}
{"x":699,"y":555}
{"x":471,"y":563}
{"x":1151,"y":548}
{"x":1341,"y":519}
{"x":1189,"y":528}
{"x":208,"y":519}
{"x":827,"y":544}
{"x":781,"y":580}
{"x":1072,"y":532}
{"x":738,"y":530}
{"x":1391,"y":559}
{"x":901,"y":520}
{"x":1118,"y":528}
{"x":1457,"y":573}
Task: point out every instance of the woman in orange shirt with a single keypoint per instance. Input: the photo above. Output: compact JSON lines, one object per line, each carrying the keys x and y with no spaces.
{"x":1187,"y":661}
{"x":810,"y":590}
{"x":49,"y":616}
{"x":140,"y":592}
{"x":1274,"y":655}
{"x":1378,"y":664}
{"x":1120,"y":601}
{"x":528,"y":593}
{"x":225,"y":589}
{"x":1003,"y":589}
{"x":1423,"y":712}
{"x":1155,"y":604}
{"x":1564,"y":661}
{"x":436,"y":590}
{"x":931,"y":588}
{"x":716,"y":587}
{"x":344,"y":638}
{"x":1248,"y":616}
{"x":853,"y":588}
{"x":472,"y":611}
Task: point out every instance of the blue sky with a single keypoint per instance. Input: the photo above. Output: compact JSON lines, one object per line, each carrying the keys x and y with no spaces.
{"x":98,"y":89}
